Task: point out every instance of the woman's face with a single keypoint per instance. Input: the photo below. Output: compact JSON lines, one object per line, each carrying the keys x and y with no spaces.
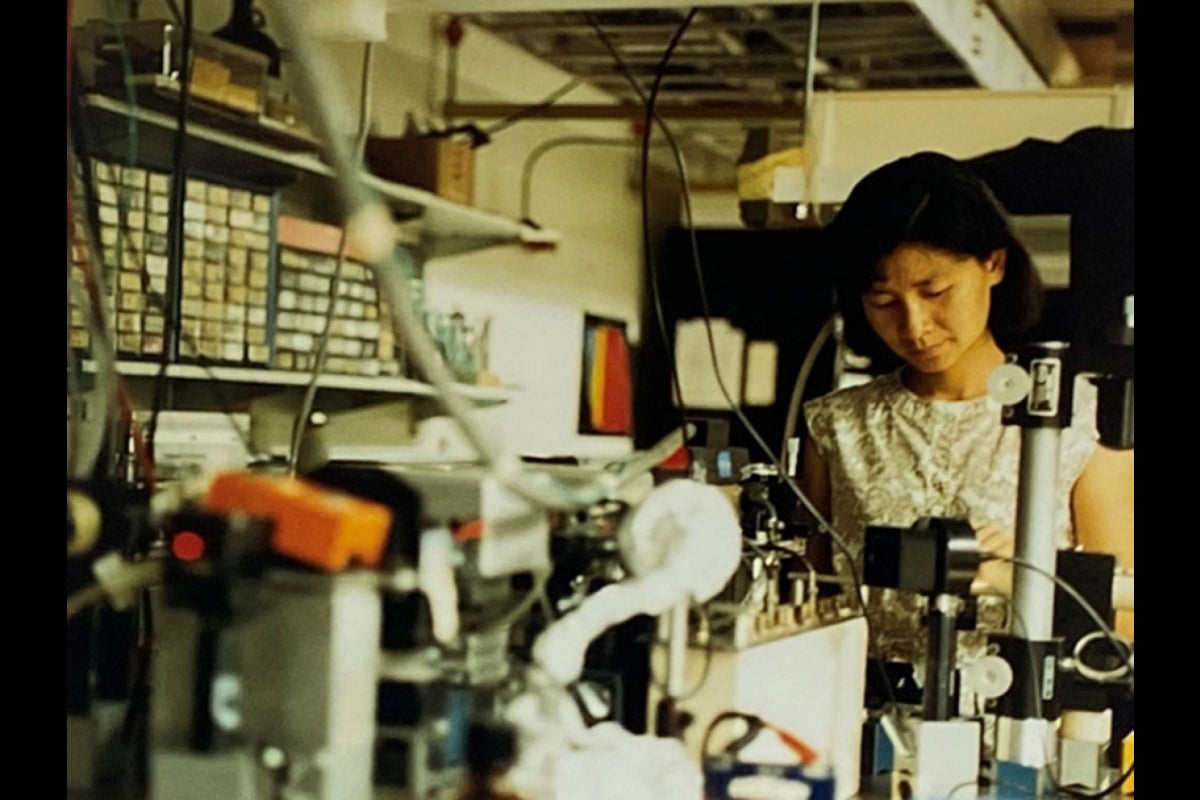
{"x":930,"y":306}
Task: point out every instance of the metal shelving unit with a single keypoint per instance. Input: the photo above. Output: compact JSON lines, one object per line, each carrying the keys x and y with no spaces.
{"x":480,"y":395}
{"x":220,"y":145}
{"x":274,"y":158}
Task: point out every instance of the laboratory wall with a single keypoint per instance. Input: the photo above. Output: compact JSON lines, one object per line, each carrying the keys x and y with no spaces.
{"x":581,"y":188}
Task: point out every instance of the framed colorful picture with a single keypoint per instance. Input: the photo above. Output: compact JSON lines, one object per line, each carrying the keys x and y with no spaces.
{"x":606,"y":389}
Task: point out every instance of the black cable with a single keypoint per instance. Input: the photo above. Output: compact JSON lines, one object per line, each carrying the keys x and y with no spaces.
{"x":80,"y":465}
{"x":534,"y":110}
{"x":175,"y":13}
{"x":823,"y":525}
{"x":964,"y":785}
{"x":652,"y":265}
{"x":1121,"y":646}
{"x":648,"y":124}
{"x":310,"y":392}
{"x":1105,"y":792}
{"x":647,"y":246}
{"x":1037,"y":698}
{"x":175,"y":231}
{"x":84,"y":134}
{"x":754,"y":723}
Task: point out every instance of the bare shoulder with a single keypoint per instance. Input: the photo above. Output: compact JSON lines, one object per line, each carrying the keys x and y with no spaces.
{"x":1102,"y":504}
{"x":1108,"y":468}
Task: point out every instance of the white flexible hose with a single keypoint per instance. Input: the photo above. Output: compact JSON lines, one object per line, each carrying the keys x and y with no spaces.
{"x":683,"y":543}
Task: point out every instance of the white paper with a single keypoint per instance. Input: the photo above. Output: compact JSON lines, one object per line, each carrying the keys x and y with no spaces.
{"x":694,"y":363}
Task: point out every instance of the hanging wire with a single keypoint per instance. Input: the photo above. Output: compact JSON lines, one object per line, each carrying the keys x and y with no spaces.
{"x":823,"y":525}
{"x":310,"y":393}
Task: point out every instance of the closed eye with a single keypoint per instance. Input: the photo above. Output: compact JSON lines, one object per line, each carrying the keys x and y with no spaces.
{"x":879,"y":300}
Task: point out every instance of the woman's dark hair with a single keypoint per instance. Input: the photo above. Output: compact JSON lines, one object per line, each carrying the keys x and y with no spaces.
{"x":931,"y":199}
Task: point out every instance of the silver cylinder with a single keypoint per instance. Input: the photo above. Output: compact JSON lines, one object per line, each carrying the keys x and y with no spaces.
{"x":677,"y":645}
{"x":1033,"y":593}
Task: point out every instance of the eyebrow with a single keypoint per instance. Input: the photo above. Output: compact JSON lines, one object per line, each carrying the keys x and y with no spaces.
{"x":877,"y":282}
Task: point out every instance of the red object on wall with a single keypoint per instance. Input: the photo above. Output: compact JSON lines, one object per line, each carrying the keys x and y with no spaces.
{"x":606,"y":402}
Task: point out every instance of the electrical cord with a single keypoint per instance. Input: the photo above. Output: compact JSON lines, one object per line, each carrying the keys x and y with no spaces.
{"x":823,"y":525}
{"x":648,"y":125}
{"x":125,"y":243}
{"x":648,"y":101}
{"x":755,"y":724}
{"x":1108,"y":791}
{"x":1047,"y":747}
{"x":109,"y":381}
{"x":82,"y":455}
{"x":650,"y":116}
{"x":117,"y":580}
{"x":1122,"y":647}
{"x":964,"y":785}
{"x":178,"y":193}
{"x":369,"y":221}
{"x":176,"y":14}
{"x":511,"y":615}
{"x":542,"y":149}
{"x":534,"y":110}
{"x":1091,"y":673}
{"x":310,"y":392}
{"x":806,"y":368}
{"x":83,"y":598}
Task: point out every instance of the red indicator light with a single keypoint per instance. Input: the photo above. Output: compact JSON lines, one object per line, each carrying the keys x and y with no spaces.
{"x":187,"y":546}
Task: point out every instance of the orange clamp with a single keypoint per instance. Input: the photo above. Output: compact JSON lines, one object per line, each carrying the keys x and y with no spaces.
{"x":313,"y":524}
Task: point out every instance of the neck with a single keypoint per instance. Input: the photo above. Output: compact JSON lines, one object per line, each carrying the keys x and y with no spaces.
{"x":966,"y":380}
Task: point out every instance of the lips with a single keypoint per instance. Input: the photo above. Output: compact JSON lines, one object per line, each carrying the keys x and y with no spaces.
{"x":928,"y":353}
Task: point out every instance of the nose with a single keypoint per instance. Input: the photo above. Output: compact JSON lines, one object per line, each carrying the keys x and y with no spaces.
{"x":916,"y":321}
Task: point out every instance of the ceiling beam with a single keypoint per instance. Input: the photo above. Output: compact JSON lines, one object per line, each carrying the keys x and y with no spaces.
{"x":648,"y":62}
{"x":974,"y":32}
{"x":484,"y":6}
{"x":598,"y":111}
{"x":1036,"y":31}
{"x":834,"y":27}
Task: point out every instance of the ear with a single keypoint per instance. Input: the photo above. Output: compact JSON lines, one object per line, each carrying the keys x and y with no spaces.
{"x":994,"y":265}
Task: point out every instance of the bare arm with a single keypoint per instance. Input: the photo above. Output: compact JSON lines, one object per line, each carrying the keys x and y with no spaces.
{"x":1102,"y":505}
{"x":1102,"y":508}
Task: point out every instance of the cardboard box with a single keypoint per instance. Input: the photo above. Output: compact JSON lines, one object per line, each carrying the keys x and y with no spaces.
{"x":310,"y":236}
{"x":444,"y":165}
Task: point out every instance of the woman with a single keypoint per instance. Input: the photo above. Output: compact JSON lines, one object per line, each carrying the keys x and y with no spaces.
{"x":932,"y":286}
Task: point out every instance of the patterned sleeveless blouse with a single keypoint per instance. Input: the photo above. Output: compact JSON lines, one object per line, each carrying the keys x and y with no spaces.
{"x":894,"y":457}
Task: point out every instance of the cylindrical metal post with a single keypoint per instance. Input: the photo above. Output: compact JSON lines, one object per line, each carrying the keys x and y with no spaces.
{"x":1033,"y":594}
{"x":940,"y":658}
{"x":677,"y":649}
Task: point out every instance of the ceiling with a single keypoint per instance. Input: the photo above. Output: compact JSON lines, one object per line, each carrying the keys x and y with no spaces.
{"x":741,"y":62}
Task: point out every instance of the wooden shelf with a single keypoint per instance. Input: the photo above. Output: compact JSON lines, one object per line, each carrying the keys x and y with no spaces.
{"x":481,"y":395}
{"x":273,"y":158}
